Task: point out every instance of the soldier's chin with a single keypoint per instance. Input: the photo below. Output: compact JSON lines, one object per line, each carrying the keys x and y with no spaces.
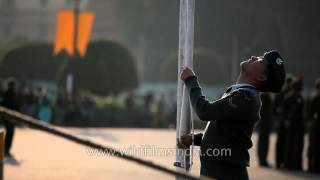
{"x":243,"y":63}
{"x":244,"y":66}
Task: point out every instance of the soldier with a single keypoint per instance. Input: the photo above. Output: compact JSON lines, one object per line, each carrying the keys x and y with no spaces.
{"x":9,"y":100}
{"x":265,"y":126}
{"x":314,"y":147}
{"x":293,"y":114}
{"x":280,"y":128}
{"x":232,"y":118}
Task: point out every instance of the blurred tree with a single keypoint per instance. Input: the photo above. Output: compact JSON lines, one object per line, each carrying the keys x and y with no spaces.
{"x":30,"y":61}
{"x":107,"y":67}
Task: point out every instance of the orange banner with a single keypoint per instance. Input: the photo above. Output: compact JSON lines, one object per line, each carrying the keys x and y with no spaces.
{"x":84,"y":31}
{"x":65,"y":31}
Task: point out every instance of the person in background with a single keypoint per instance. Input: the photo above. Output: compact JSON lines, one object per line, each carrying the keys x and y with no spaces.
{"x":88,"y":108}
{"x":10,"y":101}
{"x":314,"y":134}
{"x":44,"y":111}
{"x":27,"y":101}
{"x":60,"y":109}
{"x":129,"y":101}
{"x":159,"y":116}
{"x":172,"y":116}
{"x":148,"y":100}
{"x":280,"y":126}
{"x":1,"y":90}
{"x":293,"y":114}
{"x":264,"y":129}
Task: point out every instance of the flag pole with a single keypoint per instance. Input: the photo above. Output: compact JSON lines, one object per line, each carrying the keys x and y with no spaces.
{"x":70,"y":76}
{"x":185,"y":59}
{"x":76,"y":24}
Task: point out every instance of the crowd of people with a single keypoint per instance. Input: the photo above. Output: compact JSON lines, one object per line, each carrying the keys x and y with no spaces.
{"x":159,"y":108}
{"x":54,"y":109}
{"x":293,"y":115}
{"x":77,"y":110}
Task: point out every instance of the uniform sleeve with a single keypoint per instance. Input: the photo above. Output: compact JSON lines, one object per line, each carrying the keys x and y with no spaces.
{"x":234,"y":105}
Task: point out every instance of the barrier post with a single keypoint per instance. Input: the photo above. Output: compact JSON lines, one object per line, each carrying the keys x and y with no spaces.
{"x":2,"y":133}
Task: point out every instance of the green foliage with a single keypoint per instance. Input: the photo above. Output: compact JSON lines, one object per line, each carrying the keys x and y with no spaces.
{"x":29,"y":62}
{"x":107,"y":67}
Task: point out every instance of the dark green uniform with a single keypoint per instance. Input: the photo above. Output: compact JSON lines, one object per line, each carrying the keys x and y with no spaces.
{"x":264,"y":126}
{"x":314,"y":147}
{"x":293,"y":114}
{"x":231,"y":121}
{"x":9,"y":100}
{"x":280,"y":128}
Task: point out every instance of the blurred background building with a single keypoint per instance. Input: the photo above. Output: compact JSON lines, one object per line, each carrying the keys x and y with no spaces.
{"x":36,"y":19}
{"x":226,"y":33}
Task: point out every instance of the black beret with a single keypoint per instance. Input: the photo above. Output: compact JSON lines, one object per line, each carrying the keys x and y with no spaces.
{"x":276,"y":72}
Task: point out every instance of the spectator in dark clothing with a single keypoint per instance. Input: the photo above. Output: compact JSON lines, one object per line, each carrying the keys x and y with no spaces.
{"x":148,"y":100}
{"x":293,"y":113}
{"x":129,"y":101}
{"x":60,"y":109}
{"x":9,"y":100}
{"x":173,"y":111}
{"x":314,"y":135}
{"x":280,"y":127}
{"x":88,"y":109}
{"x":264,"y":126}
{"x":28,"y":104}
{"x":160,"y":115}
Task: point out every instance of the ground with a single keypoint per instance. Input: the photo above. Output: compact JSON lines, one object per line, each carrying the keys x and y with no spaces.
{"x":43,"y":156}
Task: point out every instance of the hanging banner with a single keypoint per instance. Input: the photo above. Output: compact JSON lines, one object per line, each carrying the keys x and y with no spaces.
{"x":84,"y":30}
{"x":65,"y":30}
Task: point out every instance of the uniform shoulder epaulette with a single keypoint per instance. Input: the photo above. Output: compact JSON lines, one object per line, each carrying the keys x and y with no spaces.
{"x":246,"y":93}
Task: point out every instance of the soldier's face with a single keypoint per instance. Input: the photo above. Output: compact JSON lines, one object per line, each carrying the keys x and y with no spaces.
{"x":255,"y":67}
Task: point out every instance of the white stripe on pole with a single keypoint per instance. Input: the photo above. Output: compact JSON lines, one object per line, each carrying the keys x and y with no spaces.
{"x":185,"y":59}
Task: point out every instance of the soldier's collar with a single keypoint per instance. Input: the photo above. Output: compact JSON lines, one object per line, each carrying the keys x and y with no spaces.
{"x":241,"y":85}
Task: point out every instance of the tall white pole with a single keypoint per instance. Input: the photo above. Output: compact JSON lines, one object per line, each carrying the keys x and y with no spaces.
{"x":185,"y":59}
